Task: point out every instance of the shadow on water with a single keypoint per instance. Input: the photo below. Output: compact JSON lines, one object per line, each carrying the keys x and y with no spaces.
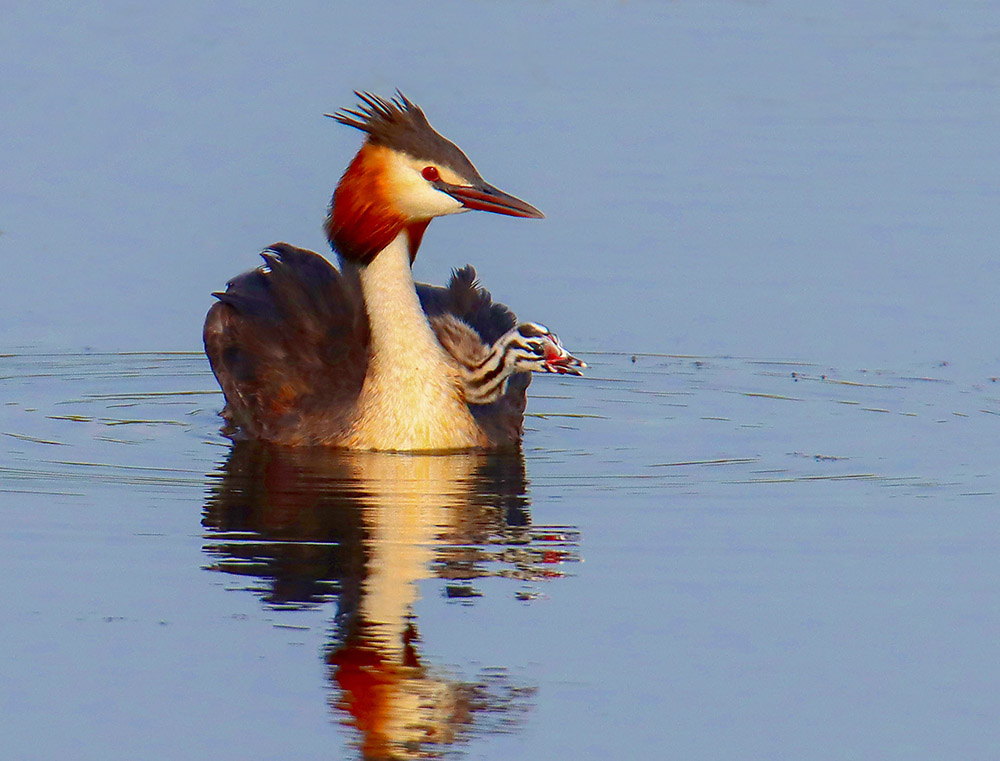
{"x":362,"y":529}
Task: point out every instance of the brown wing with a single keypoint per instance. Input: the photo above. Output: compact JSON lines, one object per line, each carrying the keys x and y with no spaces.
{"x":288,"y":343}
{"x":465,"y":299}
{"x":503,"y":420}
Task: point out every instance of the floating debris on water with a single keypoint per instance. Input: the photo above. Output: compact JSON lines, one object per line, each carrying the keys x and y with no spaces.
{"x":33,"y":439}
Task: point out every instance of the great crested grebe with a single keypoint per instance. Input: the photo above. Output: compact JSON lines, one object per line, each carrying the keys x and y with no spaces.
{"x":365,"y":358}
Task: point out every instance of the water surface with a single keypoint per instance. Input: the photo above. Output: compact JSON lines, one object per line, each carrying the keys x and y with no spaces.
{"x":731,"y":556}
{"x":754,"y":179}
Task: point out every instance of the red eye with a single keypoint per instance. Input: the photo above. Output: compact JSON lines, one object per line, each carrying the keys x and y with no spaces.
{"x":430,"y":174}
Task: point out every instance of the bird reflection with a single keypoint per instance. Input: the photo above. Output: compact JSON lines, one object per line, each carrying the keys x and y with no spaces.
{"x":361,"y":529}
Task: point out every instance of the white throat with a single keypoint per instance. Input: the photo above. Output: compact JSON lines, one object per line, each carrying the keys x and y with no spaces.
{"x":412,"y":398}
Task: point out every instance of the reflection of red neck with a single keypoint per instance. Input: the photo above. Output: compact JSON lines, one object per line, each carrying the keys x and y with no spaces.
{"x":368,"y":680}
{"x":365,"y":681}
{"x":363,"y":219}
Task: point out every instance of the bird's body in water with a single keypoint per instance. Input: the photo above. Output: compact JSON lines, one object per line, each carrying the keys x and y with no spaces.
{"x":365,"y":358}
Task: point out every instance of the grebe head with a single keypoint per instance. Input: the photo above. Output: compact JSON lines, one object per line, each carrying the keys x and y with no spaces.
{"x":536,"y":349}
{"x":404,"y":175}
{"x":528,"y":348}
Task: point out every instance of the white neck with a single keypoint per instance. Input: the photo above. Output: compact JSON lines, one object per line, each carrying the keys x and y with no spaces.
{"x":412,"y":399}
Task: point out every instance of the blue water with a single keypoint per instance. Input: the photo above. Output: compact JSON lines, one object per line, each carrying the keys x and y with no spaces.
{"x":725,"y":178}
{"x":763,"y":526}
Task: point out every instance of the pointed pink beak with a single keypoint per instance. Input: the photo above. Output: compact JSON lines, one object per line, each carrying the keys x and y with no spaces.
{"x":485,"y":197}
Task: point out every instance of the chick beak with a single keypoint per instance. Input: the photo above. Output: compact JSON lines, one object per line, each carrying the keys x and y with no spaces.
{"x":558,"y":360}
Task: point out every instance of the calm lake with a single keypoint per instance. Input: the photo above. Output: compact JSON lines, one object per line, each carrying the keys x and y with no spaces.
{"x":763,"y":526}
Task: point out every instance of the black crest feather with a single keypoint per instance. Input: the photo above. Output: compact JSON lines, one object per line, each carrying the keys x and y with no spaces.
{"x":383,"y":118}
{"x":400,"y":124}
